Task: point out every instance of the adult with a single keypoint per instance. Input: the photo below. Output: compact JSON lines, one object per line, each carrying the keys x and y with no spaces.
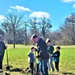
{"x":50,"y":49}
{"x":43,"y":53}
{"x":2,"y":50}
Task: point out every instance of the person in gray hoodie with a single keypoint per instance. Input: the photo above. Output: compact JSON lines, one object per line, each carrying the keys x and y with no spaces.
{"x":2,"y":50}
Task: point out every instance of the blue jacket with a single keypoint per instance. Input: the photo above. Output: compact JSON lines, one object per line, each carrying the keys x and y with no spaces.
{"x":31,"y":58}
{"x":56,"y":56}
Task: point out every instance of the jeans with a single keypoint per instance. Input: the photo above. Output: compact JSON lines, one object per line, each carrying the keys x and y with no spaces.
{"x":44,"y":66}
{"x":50,"y":63}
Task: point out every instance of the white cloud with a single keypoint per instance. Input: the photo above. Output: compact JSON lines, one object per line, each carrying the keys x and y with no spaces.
{"x":9,"y":10}
{"x":2,"y":18}
{"x":20,"y":8}
{"x":68,"y":1}
{"x":40,"y":14}
{"x":73,"y":5}
{"x":68,"y":16}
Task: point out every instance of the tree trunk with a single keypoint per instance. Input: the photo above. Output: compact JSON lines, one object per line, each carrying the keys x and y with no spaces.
{"x":14,"y":39}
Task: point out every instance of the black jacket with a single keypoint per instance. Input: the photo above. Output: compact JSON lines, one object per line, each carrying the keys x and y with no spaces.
{"x":2,"y":50}
{"x":42,"y":49}
{"x":56,"y":56}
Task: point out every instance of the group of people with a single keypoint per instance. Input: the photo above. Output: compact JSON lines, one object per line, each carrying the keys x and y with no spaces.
{"x":45,"y":56}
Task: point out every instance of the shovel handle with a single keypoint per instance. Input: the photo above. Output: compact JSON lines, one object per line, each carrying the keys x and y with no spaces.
{"x":7,"y":56}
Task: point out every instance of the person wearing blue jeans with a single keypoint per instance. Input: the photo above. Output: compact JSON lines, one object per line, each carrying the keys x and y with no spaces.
{"x":51,"y":63}
{"x":50,"y":49}
{"x":44,"y":69}
{"x":42,"y":53}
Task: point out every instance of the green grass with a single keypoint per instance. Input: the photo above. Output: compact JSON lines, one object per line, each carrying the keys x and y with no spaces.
{"x":18,"y":59}
{"x":67,"y":59}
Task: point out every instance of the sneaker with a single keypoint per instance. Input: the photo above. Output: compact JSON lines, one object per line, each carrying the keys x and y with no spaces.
{"x":52,"y":70}
{"x":57,"y":70}
{"x":1,"y":70}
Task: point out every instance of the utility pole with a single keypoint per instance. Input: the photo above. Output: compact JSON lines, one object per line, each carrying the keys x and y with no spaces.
{"x":25,"y":41}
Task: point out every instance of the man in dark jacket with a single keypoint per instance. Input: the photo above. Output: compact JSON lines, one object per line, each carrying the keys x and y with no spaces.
{"x":2,"y":50}
{"x":42,"y":53}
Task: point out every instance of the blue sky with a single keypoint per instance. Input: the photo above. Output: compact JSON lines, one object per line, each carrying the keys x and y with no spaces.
{"x":55,"y":10}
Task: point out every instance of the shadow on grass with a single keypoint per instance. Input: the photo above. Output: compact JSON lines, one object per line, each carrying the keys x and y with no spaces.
{"x":19,"y":70}
{"x":16,"y":70}
{"x":68,"y":73}
{"x":53,"y":74}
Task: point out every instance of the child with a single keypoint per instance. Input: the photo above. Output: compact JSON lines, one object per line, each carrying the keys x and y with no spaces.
{"x":50,"y":49}
{"x":31,"y":59}
{"x":56,"y":56}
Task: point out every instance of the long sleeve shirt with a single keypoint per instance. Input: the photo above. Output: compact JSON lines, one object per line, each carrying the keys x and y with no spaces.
{"x":56,"y":56}
{"x":42,"y":49}
{"x":2,"y":49}
{"x":31,"y":57}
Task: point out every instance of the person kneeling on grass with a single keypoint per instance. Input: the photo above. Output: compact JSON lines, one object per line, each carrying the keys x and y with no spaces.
{"x":56,"y":56}
{"x":31,"y":59}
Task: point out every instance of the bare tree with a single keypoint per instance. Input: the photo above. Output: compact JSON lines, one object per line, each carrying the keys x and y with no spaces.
{"x":25,"y":32}
{"x":44,"y":25}
{"x":33,"y":25}
{"x":13,"y":22}
{"x":1,"y":32}
{"x":68,"y":30}
{"x":5,"y":26}
{"x":71,"y":20}
{"x":20,"y":37}
{"x":7,"y":32}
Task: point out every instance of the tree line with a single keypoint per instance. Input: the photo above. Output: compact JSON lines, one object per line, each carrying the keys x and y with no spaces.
{"x":17,"y":30}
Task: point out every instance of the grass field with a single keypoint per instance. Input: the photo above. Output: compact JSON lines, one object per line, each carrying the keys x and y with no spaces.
{"x":18,"y":59}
